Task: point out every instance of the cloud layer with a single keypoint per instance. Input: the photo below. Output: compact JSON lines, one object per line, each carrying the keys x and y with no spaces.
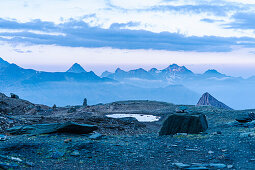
{"x":176,"y":25}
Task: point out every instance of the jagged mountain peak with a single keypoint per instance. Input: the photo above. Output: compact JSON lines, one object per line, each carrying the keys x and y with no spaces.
{"x":118,"y":70}
{"x":106,"y":74}
{"x":76,"y":68}
{"x":138,"y":70}
{"x":153,"y":70}
{"x":208,"y":100}
{"x":177,"y":68}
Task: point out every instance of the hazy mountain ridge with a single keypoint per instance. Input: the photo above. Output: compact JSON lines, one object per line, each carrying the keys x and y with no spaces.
{"x":169,"y":84}
{"x":13,"y":74}
{"x":71,"y":87}
{"x":173,"y":73}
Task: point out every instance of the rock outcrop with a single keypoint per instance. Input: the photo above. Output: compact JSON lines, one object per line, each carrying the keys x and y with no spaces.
{"x":184,"y":123}
{"x":209,"y":100}
{"x":68,"y":127}
{"x":15,"y":105}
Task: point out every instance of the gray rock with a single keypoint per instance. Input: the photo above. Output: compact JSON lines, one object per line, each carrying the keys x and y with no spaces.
{"x":247,"y":134}
{"x":244,"y":118}
{"x":71,"y":110}
{"x":8,"y":165}
{"x":96,"y":136}
{"x":14,"y":96}
{"x":181,"y":165}
{"x":181,"y":109}
{"x":184,"y":123}
{"x":196,"y":168}
{"x":75,"y":153}
{"x":68,"y":127}
{"x":57,"y":155}
{"x":217,"y":165}
{"x":3,"y":137}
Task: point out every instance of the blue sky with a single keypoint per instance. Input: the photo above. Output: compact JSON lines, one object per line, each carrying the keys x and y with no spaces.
{"x":104,"y":34}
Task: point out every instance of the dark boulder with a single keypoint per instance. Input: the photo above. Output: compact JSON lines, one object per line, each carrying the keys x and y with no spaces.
{"x":68,"y":127}
{"x":246,"y":118}
{"x":184,"y":123}
{"x":14,"y":96}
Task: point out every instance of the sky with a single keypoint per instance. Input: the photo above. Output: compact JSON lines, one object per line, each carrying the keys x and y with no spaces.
{"x":51,"y":35}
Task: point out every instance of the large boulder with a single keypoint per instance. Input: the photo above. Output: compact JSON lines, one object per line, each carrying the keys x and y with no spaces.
{"x":68,"y":127}
{"x":184,"y":123}
{"x":246,"y":118}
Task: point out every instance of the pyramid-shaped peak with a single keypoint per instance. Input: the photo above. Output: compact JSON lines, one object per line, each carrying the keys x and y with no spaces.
{"x":106,"y":74}
{"x":209,"y":100}
{"x":213,"y":72}
{"x":173,"y":66}
{"x":118,"y":70}
{"x":76,"y":68}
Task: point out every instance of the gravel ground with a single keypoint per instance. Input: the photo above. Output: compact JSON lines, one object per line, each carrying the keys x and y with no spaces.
{"x":134,"y":146}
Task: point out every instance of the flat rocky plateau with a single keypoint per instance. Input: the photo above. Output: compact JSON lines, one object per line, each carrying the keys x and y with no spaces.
{"x":125,"y":143}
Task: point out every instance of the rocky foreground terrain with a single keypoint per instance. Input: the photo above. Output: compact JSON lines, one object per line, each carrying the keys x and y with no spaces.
{"x":120,"y":143}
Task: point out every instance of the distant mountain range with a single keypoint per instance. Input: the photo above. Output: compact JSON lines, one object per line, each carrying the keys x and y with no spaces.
{"x":13,"y":74}
{"x":172,"y":73}
{"x":176,"y":84}
{"x":72,"y":86}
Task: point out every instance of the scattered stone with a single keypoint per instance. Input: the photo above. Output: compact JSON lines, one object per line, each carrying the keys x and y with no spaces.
{"x":68,"y":140}
{"x":68,"y":127}
{"x":57,"y":154}
{"x":230,"y":166}
{"x":181,"y":109}
{"x":71,"y":110}
{"x":75,"y":153}
{"x":182,"y":134}
{"x":96,"y":136}
{"x":8,"y":166}
{"x":247,"y":134}
{"x":184,"y":123}
{"x":181,"y":165}
{"x":194,"y":150}
{"x":196,"y":168}
{"x":3,"y":137}
{"x":16,"y":159}
{"x":210,"y":152}
{"x":14,"y":96}
{"x":217,"y":165}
